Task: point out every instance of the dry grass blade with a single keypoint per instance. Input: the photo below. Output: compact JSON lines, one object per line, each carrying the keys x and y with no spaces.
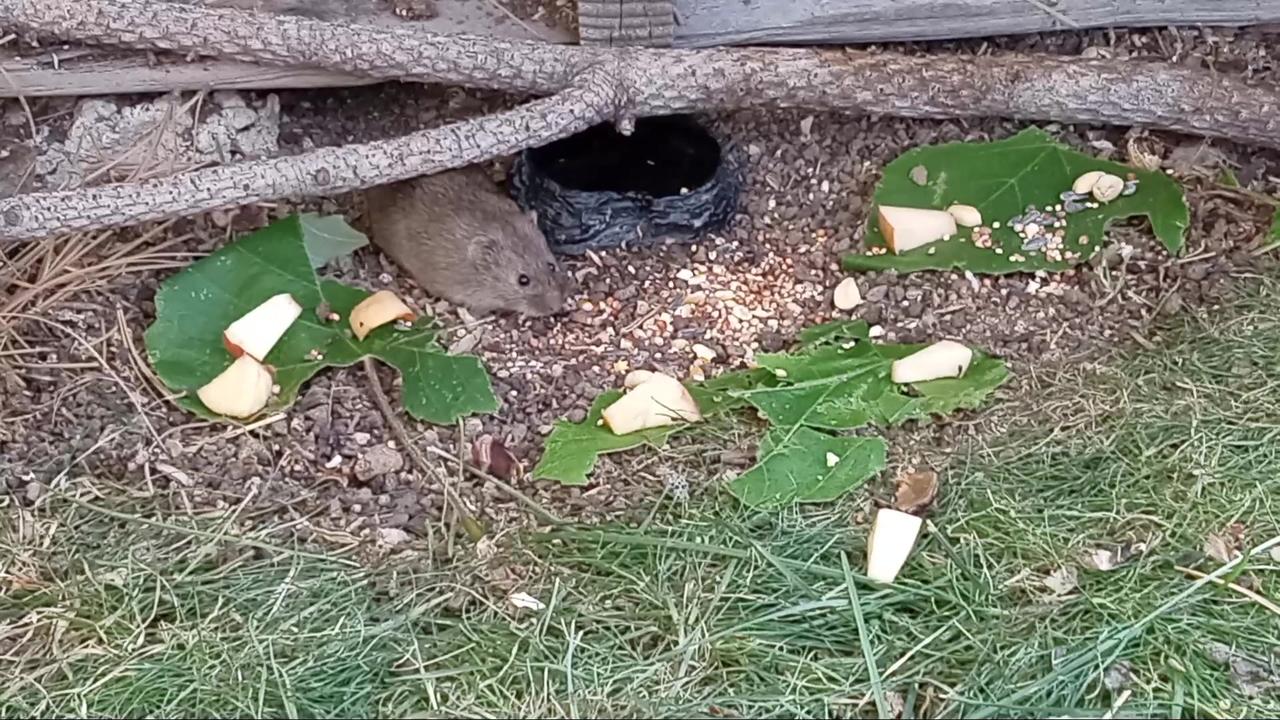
{"x":102,"y":363}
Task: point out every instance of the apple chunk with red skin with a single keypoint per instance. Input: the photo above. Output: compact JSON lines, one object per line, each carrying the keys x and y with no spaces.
{"x":906,"y":228}
{"x":258,"y":330}
{"x":245,"y":386}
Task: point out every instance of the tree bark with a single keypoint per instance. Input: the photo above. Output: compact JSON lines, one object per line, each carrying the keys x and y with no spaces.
{"x":625,"y":83}
{"x":327,"y":171}
{"x":711,"y":23}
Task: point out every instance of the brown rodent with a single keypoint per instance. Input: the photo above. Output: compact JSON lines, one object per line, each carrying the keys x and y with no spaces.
{"x":464,"y":240}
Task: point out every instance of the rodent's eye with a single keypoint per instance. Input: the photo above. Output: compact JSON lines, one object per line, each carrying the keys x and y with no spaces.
{"x":523,"y":280}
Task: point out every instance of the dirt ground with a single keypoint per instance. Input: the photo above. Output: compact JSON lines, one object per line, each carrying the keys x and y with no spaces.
{"x":79,"y":401}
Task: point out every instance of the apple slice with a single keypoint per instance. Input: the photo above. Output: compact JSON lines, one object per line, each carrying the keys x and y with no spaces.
{"x":258,"y":330}
{"x":893,"y":535}
{"x":239,"y":391}
{"x":907,"y":228}
{"x":636,"y":377}
{"x":943,"y":359}
{"x":658,"y":400}
{"x":377,"y":310}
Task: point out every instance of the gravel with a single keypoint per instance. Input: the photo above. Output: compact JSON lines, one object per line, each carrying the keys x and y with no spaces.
{"x":692,"y":310}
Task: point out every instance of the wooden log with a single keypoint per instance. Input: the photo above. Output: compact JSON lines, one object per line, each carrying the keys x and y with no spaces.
{"x":707,"y":23}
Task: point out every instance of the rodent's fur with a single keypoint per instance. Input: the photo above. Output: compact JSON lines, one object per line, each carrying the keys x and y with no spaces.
{"x":462,"y":239}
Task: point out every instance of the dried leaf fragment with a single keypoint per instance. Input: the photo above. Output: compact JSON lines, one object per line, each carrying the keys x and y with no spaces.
{"x":1063,"y":580}
{"x":916,"y":491}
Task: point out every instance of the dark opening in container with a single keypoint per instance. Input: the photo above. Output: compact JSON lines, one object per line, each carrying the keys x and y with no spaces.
{"x":599,"y":189}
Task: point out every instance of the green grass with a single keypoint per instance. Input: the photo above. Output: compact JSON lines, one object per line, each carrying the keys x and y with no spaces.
{"x":712,"y":610}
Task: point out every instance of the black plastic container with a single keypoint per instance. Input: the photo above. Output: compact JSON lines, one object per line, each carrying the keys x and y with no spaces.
{"x":599,"y":189}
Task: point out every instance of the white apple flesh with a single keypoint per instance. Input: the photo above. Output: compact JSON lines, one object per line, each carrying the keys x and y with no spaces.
{"x":377,"y":310}
{"x":847,"y":296}
{"x":943,"y":359}
{"x":635,"y":377}
{"x":258,"y":330}
{"x":893,"y":535}
{"x":907,"y":228}
{"x":239,"y":391}
{"x":657,"y":401}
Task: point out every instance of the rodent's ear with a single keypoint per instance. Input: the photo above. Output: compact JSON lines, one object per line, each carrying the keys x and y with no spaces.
{"x":532,"y":215}
{"x":484,"y":248}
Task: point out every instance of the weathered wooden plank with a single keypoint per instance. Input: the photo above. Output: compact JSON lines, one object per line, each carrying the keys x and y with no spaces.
{"x":132,"y":74}
{"x":626,"y":22}
{"x":458,"y":17}
{"x":706,"y":23}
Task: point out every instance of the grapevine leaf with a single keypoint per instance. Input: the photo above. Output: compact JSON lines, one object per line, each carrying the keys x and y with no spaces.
{"x":195,"y":306}
{"x":1001,"y":179}
{"x":329,"y":237}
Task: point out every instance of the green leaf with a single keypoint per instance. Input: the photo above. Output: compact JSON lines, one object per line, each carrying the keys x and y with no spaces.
{"x":570,"y":453}
{"x":841,"y":388}
{"x":939,"y":397}
{"x":835,"y":331}
{"x":196,"y":305}
{"x":719,"y":394}
{"x":826,"y":386}
{"x":329,"y":237}
{"x":794,"y":467}
{"x":1001,"y":179}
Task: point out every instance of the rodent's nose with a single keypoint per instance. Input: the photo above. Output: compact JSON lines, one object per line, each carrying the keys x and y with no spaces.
{"x":553,"y":303}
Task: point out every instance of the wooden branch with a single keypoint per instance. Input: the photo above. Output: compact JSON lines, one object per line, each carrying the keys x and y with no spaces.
{"x":625,"y":83}
{"x":327,"y":171}
{"x":133,"y":74}
{"x":710,"y":23}
{"x":656,"y":81}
